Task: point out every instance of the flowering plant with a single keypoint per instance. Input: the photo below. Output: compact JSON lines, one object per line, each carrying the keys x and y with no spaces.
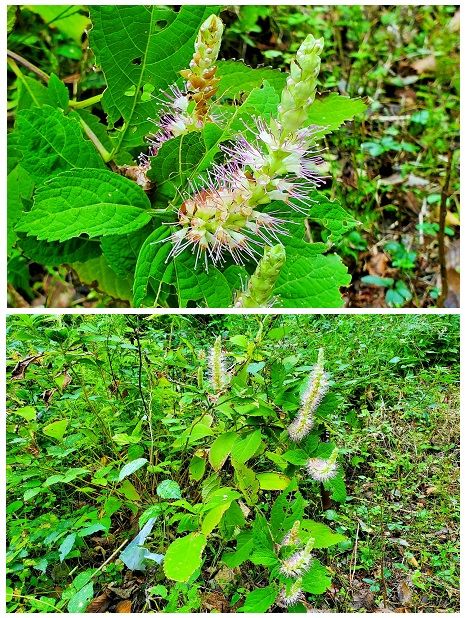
{"x":254,"y":450}
{"x":199,"y":189}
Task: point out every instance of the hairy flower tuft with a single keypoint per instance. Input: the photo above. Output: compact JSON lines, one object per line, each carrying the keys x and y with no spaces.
{"x":298,"y":563}
{"x":292,"y":538}
{"x":218,"y":374}
{"x":323,"y":469}
{"x":291,"y":593}
{"x":316,"y":389}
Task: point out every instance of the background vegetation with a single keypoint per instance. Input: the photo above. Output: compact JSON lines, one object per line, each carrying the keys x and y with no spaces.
{"x":396,"y":170}
{"x":87,"y":395}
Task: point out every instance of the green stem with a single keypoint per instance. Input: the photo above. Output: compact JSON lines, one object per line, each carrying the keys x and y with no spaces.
{"x":17,"y":71}
{"x":105,"y":154}
{"x":87,"y":102}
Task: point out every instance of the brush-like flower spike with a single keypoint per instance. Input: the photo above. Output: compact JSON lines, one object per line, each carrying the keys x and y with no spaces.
{"x":291,"y":593}
{"x":298,"y":563}
{"x":218,"y":374}
{"x":323,"y":469}
{"x":200,"y":77}
{"x":300,"y":89}
{"x":312,"y":396}
{"x":292,"y":538}
{"x":261,"y":284}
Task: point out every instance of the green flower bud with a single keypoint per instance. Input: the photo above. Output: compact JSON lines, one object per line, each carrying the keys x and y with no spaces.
{"x":300,"y":89}
{"x":262,"y":281}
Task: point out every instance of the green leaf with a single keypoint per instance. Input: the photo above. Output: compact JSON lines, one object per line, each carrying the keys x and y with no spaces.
{"x":129,"y":491}
{"x":92,"y":202}
{"x":337,"y":487}
{"x":309,"y":279}
{"x":220,"y":449}
{"x":56,"y":429}
{"x":237,"y":78}
{"x":139,"y":45}
{"x":66,"y":19}
{"x":51,"y":143}
{"x":132,"y":467}
{"x":183,"y":557}
{"x":169,"y":490}
{"x":32,"y":93}
{"x":331,"y":216}
{"x":272,"y":481}
{"x":28,"y":413}
{"x":80,"y":601}
{"x":323,"y":535}
{"x":121,"y":252}
{"x":297,"y":457}
{"x":151,"y":265}
{"x":58,"y":92}
{"x":334,"y":110}
{"x":316,"y":580}
{"x":67,"y":545}
{"x":20,"y":186}
{"x":244,"y":448}
{"x":213,"y":518}
{"x":209,"y":289}
{"x":259,"y":601}
{"x":197,"y":468}
{"x":242,"y":552}
{"x":56,"y":253}
{"x":97,"y":271}
{"x":286,"y":510}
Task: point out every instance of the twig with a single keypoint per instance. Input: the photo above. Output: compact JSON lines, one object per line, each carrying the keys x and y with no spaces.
{"x":442,"y":225}
{"x":28,"y":65}
{"x":112,"y":555}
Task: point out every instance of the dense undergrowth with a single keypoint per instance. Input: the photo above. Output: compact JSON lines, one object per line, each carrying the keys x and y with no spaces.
{"x":389,"y":166}
{"x":115,"y":428}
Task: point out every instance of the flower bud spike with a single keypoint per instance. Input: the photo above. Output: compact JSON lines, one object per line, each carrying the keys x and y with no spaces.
{"x":218,"y":375}
{"x":261,"y":284}
{"x":323,"y":469}
{"x":291,"y":593}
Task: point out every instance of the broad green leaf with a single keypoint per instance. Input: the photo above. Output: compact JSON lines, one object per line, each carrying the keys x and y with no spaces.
{"x":169,"y":490}
{"x":28,"y":413}
{"x":56,"y":429}
{"x":263,"y":556}
{"x":52,"y":143}
{"x":237,"y":78}
{"x":183,"y":557}
{"x":96,"y":271}
{"x":244,"y":448}
{"x":129,"y":491}
{"x":333,"y":110}
{"x":139,"y":45}
{"x":337,"y":487}
{"x":316,"y":580}
{"x":197,"y":467}
{"x":220,"y":449}
{"x":151,"y":265}
{"x":242,"y":552}
{"x":80,"y":601}
{"x":20,"y":186}
{"x":32,"y":93}
{"x":213,"y":517}
{"x":66,"y":19}
{"x":195,"y":285}
{"x":272,"y":480}
{"x":135,"y":555}
{"x":259,"y":601}
{"x":56,"y":253}
{"x":131,"y":467}
{"x":331,"y":216}
{"x":286,"y":510}
{"x":309,"y":279}
{"x":297,"y":457}
{"x":121,"y":252}
{"x":323,"y":535}
{"x":92,"y":202}
{"x":58,"y":92}
{"x":247,"y":482}
{"x":67,"y":545}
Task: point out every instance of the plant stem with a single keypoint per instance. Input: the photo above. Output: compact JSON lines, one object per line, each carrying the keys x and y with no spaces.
{"x":87,"y":102}
{"x":105,"y":154}
{"x":27,"y":64}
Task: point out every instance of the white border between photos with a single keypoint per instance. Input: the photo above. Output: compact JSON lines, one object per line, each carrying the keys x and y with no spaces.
{"x":7,"y":311}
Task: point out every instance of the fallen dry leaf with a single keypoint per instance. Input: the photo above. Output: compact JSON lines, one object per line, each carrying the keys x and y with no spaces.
{"x":123,"y":607}
{"x":404,"y":593}
{"x":425,"y":65}
{"x":99,"y":604}
{"x":20,"y":368}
